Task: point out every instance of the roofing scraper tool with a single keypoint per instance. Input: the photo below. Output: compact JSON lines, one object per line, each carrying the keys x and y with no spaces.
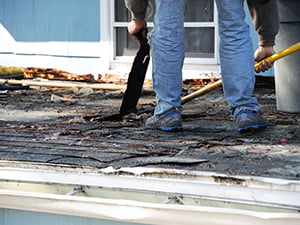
{"x":136,"y":77}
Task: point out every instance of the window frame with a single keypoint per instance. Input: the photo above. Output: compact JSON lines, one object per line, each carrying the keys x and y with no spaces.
{"x":108,"y":7}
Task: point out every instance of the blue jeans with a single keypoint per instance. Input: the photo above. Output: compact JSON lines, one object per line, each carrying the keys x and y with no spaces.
{"x":236,"y":54}
{"x":167,"y":40}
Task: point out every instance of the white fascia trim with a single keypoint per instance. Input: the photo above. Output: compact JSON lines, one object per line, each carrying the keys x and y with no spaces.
{"x":257,"y":190}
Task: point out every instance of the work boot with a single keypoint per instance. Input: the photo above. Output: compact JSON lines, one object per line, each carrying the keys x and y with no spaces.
{"x":170,"y":121}
{"x":248,"y":120}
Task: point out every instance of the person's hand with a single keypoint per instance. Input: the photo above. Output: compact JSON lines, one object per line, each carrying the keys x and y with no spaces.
{"x":135,"y":27}
{"x":261,"y":53}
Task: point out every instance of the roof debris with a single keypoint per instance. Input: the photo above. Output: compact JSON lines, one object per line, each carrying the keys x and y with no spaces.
{"x":64,"y":126}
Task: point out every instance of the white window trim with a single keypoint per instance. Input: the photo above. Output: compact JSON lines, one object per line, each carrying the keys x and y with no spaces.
{"x":106,"y":41}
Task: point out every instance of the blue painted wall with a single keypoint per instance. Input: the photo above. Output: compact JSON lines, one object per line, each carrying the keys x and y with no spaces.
{"x":19,"y":217}
{"x":51,"y":20}
{"x":59,"y":21}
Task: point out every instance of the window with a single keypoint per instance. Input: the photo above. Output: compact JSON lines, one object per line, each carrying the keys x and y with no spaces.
{"x":200,"y":31}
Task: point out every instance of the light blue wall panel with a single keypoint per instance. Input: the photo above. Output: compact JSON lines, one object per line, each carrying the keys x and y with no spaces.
{"x":1,"y":216}
{"x":51,"y":20}
{"x":19,"y":217}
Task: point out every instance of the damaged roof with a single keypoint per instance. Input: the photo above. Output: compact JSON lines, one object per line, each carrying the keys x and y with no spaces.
{"x":69,"y":126}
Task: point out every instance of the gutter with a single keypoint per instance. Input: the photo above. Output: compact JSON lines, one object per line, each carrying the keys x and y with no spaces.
{"x":251,"y":200}
{"x":140,"y":212}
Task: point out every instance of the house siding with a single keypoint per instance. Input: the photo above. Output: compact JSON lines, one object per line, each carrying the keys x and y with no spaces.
{"x":50,"y":33}
{"x":63,"y":34}
{"x":19,"y":217}
{"x":51,"y":20}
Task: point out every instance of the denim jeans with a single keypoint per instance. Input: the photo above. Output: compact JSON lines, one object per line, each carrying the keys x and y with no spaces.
{"x":167,"y":40}
{"x":236,"y":55}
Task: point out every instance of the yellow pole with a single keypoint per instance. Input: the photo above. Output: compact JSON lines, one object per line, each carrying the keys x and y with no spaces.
{"x":281,"y":54}
{"x":271,"y":58}
{"x":206,"y":88}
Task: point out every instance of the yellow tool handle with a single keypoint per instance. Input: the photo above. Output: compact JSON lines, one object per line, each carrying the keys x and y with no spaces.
{"x":271,"y":58}
{"x":280,"y":54}
{"x":202,"y":91}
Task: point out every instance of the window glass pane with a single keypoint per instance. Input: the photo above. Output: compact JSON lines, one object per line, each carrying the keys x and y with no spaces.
{"x":199,"y":11}
{"x":122,"y":14}
{"x":125,"y":45}
{"x":199,"y":42}
{"x":150,"y":11}
{"x":196,"y":11}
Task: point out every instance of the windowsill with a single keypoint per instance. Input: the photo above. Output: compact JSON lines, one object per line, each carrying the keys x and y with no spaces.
{"x":190,"y":70}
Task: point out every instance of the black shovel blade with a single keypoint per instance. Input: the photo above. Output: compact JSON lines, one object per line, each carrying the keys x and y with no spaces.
{"x":136,"y":77}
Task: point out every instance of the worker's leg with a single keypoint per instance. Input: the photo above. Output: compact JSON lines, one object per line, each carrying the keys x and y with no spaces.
{"x":236,"y":54}
{"x":168,"y":54}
